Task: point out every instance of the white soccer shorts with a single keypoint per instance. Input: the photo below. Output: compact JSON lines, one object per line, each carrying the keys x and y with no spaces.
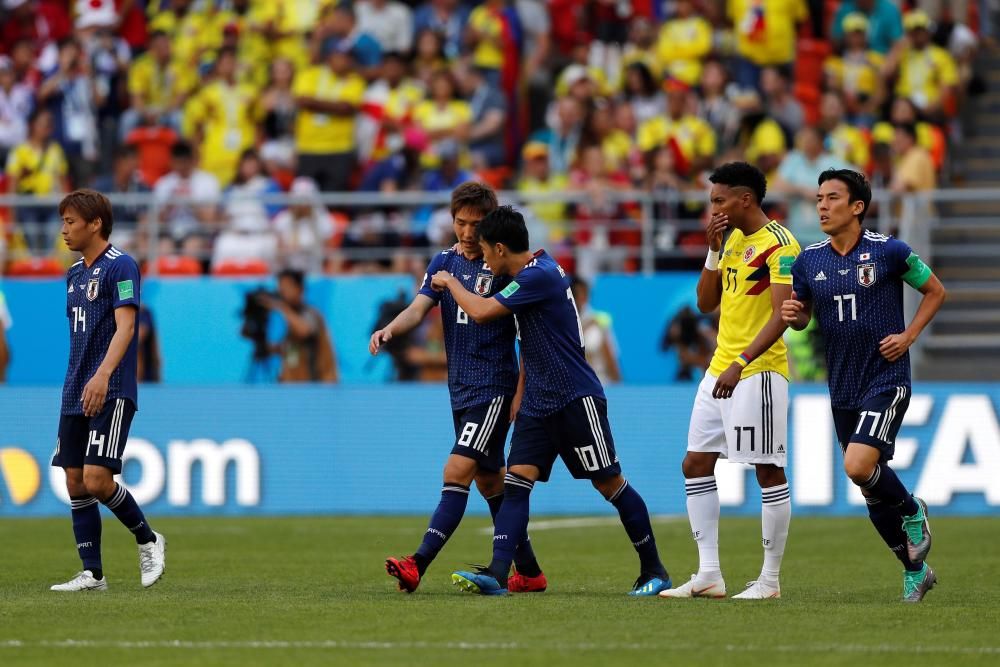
{"x":749,"y":427}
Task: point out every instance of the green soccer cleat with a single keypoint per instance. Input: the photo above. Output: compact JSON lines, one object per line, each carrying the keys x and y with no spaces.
{"x":916,"y":584}
{"x":918,"y":533}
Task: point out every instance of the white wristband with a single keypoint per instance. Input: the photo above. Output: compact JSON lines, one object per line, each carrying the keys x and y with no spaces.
{"x":712,"y":260}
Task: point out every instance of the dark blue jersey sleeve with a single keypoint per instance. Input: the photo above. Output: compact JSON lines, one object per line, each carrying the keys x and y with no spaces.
{"x":800,"y":280}
{"x":124,"y":275}
{"x":897,"y":252}
{"x":531,"y":285}
{"x":440,"y":262}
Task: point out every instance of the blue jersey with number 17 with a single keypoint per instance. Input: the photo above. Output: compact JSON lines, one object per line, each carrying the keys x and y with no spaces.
{"x":551,"y":337}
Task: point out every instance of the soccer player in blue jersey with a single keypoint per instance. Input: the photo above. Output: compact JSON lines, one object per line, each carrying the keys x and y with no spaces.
{"x":483,"y":379}
{"x":100,"y":395}
{"x":853,"y":284}
{"x":563,"y":412}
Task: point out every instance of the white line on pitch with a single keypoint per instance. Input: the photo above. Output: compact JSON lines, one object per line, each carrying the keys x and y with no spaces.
{"x":586,"y":522}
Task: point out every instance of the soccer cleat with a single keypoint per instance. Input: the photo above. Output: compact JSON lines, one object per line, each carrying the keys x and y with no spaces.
{"x":83,"y":581}
{"x":519,"y":583}
{"x":152,"y":560}
{"x":918,"y":533}
{"x":405,"y":571}
{"x":480,"y":582}
{"x":649,"y":585}
{"x":697,"y":589}
{"x":916,"y":584}
{"x":758,"y":590}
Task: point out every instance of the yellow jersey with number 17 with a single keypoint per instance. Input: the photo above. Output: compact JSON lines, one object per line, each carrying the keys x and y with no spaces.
{"x":748,"y":266}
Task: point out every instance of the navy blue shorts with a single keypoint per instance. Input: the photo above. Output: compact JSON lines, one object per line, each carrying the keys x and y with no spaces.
{"x":875,"y":423}
{"x":579,"y":433}
{"x":481,"y":432}
{"x":95,"y":441}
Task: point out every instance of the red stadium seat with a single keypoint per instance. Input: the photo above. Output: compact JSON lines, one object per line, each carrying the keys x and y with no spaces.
{"x":809,"y":96}
{"x":809,"y":61}
{"x":242,"y":267}
{"x":176,"y":265}
{"x":36,"y":267}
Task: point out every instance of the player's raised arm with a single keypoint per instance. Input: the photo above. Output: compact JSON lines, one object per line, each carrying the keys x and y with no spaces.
{"x":480,"y":310}
{"x":710,"y":282}
{"x":406,"y":321}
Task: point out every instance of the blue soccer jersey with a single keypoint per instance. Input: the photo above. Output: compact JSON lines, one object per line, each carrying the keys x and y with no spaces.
{"x":857,"y":300}
{"x":482,"y":361}
{"x":92,"y":295}
{"x":551,"y":338}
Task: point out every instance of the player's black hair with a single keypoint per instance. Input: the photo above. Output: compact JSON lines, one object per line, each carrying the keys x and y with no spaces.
{"x":296,"y":276}
{"x":182,"y":149}
{"x":741,"y":175}
{"x":857,"y":186}
{"x":473,"y":194}
{"x":505,"y":225}
{"x":91,"y":205}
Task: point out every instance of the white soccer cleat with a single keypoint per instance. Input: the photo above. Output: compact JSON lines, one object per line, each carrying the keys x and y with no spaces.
{"x":83,"y":581}
{"x":152,"y":560}
{"x":697,"y":589}
{"x":759,"y":590}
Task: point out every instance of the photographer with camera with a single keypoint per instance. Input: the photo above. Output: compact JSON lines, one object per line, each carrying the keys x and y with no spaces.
{"x":307,"y":350}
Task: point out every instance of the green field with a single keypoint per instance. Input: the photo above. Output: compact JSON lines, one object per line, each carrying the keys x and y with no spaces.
{"x":313,"y":591}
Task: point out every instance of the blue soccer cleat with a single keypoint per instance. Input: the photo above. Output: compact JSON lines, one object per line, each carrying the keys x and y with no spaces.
{"x":652,"y":586}
{"x":480,"y":582}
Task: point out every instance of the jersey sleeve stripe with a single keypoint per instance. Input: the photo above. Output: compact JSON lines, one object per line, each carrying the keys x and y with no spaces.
{"x":779,"y":233}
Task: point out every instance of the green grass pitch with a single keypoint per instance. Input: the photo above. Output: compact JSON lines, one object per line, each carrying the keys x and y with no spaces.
{"x":312,"y":591}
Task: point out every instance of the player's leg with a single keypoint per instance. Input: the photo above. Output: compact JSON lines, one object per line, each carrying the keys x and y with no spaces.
{"x":86,"y":511}
{"x":756,"y":417}
{"x":706,"y":442}
{"x":105,"y":448}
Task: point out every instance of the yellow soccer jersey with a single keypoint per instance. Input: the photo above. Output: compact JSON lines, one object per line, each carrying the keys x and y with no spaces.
{"x":749,"y":265}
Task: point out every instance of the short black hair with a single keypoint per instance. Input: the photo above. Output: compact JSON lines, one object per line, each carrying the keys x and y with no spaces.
{"x":857,"y":186}
{"x":505,"y":225}
{"x":296,"y":276}
{"x":182,"y":149}
{"x":742,"y":175}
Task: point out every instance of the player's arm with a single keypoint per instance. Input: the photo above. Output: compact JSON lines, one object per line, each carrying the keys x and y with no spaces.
{"x":406,"y":321}
{"x":920,"y":277}
{"x":710,"y":282}
{"x":479,"y":309}
{"x":96,"y":388}
{"x":796,"y":312}
{"x":515,"y":404}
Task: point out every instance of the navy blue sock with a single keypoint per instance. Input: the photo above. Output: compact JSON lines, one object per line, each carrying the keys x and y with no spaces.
{"x":510,"y":525}
{"x":123,"y":505}
{"x":635,"y":517}
{"x":87,"y":530}
{"x":444,"y":522}
{"x":524,"y":556}
{"x":885,"y":486}
{"x":889,"y":525}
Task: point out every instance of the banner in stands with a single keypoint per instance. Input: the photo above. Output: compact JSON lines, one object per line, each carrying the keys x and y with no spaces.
{"x":380,"y":450}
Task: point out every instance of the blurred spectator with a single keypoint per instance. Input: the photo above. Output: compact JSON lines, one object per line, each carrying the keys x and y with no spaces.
{"x":930,"y":136}
{"x":304,"y":229}
{"x":599,"y":129}
{"x":489,"y":118}
{"x":153,"y":143}
{"x":539,"y":178}
{"x":428,"y":56}
{"x":109,"y":57}
{"x":443,"y":115}
{"x":781,"y":104}
{"x":563,"y":136}
{"x":598,"y":335}
{"x":884,"y":22}
{"x":149,"y":363}
{"x":328,"y":97}
{"x":339,"y":25}
{"x":685,"y":41}
{"x":15,"y":106}
{"x":693,"y":335}
{"x":70,"y":93}
{"x":388,"y":21}
{"x":950,"y":33}
{"x":39,"y":23}
{"x":797,"y":179}
{"x":307,"y":350}
{"x":246,"y":21}
{"x":26,"y":71}
{"x":715,"y":106}
{"x":185,"y":181}
{"x":37,"y":167}
{"x":248,"y":233}
{"x":484,"y":37}
{"x":448,"y":174}
{"x":604,"y":237}
{"x":535,"y":69}
{"x":153,"y":86}
{"x":608,"y":24}
{"x":692,"y":137}
{"x":926,"y":73}
{"x":388,"y":107}
{"x":6,"y":322}
{"x":401,"y":170}
{"x":445,"y":18}
{"x":914,"y":169}
{"x":642,"y":93}
{"x":277,"y":104}
{"x":843,"y":140}
{"x":124,"y":178}
{"x":855,"y":72}
{"x":761,"y":137}
{"x":765,"y":35}
{"x":221,"y":119}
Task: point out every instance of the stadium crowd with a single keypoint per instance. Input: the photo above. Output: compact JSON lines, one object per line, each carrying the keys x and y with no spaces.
{"x":226,"y":100}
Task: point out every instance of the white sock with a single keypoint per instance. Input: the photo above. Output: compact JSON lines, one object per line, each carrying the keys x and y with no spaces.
{"x":776,"y":514}
{"x":703,"y":512}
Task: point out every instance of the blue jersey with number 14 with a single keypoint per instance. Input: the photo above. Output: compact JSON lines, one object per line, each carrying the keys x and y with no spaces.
{"x":551,"y":338}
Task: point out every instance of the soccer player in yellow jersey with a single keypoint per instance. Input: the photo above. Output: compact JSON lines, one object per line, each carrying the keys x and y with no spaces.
{"x":741,"y":408}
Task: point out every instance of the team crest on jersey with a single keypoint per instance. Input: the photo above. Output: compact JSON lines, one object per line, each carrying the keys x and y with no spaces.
{"x":92,"y":288}
{"x":484,"y":281}
{"x":748,"y":254}
{"x":866,"y":275}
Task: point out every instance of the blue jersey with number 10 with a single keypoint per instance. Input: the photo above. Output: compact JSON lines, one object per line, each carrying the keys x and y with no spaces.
{"x":857,"y":300}
{"x":551,"y":338}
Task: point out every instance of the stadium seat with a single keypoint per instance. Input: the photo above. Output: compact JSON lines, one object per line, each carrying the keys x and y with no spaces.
{"x":809,"y":96}
{"x":809,"y":61}
{"x":242,"y":267}
{"x":35,"y":267}
{"x":175,"y":265}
